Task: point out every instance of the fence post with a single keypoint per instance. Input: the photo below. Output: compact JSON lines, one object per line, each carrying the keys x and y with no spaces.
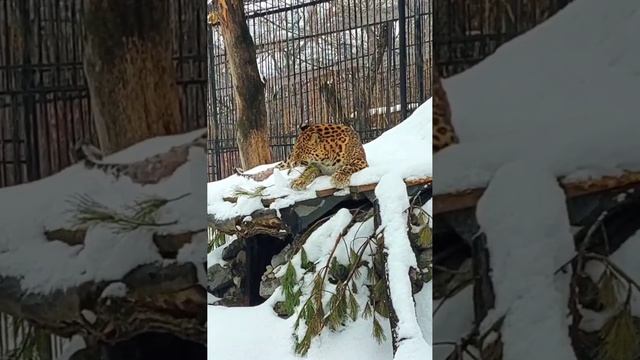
{"x":212,"y":126}
{"x":418,"y":45}
{"x":29,"y":124}
{"x":402,"y":44}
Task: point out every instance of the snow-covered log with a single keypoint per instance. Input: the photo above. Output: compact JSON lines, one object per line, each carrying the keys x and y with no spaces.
{"x":111,"y":248}
{"x":408,"y":340}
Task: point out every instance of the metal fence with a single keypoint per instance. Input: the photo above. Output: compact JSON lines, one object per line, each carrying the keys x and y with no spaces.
{"x":367,"y":62}
{"x":44,"y":100}
{"x":467,"y":31}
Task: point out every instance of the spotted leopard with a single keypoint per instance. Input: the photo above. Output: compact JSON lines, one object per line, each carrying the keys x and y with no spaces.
{"x":326,"y":149}
{"x":443,"y":132}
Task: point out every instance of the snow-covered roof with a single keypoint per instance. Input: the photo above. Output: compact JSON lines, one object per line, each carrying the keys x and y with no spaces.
{"x":45,"y":265}
{"x":563,"y":95}
{"x":403,"y":150}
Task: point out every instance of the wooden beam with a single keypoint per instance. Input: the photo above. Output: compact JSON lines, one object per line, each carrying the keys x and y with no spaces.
{"x":356,"y":189}
{"x":266,"y":221}
{"x":444,"y":203}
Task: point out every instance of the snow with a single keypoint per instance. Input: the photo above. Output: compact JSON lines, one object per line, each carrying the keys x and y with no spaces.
{"x":453,"y":320}
{"x":550,"y":108}
{"x":115,"y":289}
{"x":526,"y":244}
{"x":354,"y":341}
{"x":387,"y":109}
{"x":411,"y":160}
{"x":194,"y":252}
{"x":389,"y":164}
{"x":257,"y":333}
{"x":392,"y":196}
{"x":215,"y":256}
{"x":424,"y":311}
{"x":42,"y":205}
{"x":404,"y":150}
{"x":319,"y":244}
{"x":76,"y":344}
{"x":89,"y":316}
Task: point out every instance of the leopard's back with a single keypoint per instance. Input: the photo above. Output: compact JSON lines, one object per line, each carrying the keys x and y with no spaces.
{"x":443,"y":131}
{"x":329,"y":146}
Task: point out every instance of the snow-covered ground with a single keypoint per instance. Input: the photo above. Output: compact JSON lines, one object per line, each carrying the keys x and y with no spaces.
{"x":257,"y":332}
{"x":564,"y":93}
{"x":45,"y":265}
{"x":404,"y":150}
{"x":249,"y":333}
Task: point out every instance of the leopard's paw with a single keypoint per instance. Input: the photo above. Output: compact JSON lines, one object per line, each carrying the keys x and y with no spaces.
{"x":300,"y":183}
{"x":340,"y":180}
{"x":283,"y":165}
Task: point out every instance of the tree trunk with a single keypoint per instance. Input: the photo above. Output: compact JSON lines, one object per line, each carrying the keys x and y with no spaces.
{"x":130,"y":72}
{"x":248,"y":88}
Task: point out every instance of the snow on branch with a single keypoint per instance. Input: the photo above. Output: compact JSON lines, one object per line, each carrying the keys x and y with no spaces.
{"x":525,"y":245}
{"x":394,"y":204}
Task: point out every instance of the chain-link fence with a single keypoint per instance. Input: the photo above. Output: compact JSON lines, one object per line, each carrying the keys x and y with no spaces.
{"x":364,"y":62}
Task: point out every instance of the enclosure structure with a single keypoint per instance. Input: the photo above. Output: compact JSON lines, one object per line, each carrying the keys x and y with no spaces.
{"x":44,"y":99}
{"x":362,"y":62}
{"x":271,"y":236}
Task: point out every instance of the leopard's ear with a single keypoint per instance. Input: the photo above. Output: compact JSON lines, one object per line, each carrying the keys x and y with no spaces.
{"x":304,"y":126}
{"x":314,"y":138}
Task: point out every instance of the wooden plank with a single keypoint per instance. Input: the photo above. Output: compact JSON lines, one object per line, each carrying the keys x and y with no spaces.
{"x":372,"y":187}
{"x":329,"y":192}
{"x":468,"y":199}
{"x":454,"y":202}
{"x":326,"y":192}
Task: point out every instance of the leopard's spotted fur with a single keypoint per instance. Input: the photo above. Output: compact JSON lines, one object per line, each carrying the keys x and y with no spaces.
{"x":443,"y":132}
{"x":326,"y":149}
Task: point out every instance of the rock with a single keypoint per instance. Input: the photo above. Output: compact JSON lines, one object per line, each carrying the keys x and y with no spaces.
{"x":416,"y":280}
{"x":268,"y":287}
{"x":241,"y":258}
{"x":219,"y":278}
{"x":278,"y":308}
{"x":232,"y":250}
{"x":282,"y":257}
{"x":424,"y":259}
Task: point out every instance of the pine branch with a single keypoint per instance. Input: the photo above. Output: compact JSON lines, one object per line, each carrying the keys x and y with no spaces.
{"x":86,"y":211}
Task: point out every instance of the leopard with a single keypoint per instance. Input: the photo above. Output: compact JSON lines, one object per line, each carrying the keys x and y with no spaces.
{"x":444,"y":133}
{"x":326,"y":149}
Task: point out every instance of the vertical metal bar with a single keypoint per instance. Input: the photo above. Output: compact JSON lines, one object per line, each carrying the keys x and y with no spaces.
{"x":7,"y":62}
{"x":22,"y":128}
{"x":213,"y":123}
{"x":18,"y":123}
{"x":389,"y":74}
{"x":418,"y":49}
{"x":402,"y":45}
